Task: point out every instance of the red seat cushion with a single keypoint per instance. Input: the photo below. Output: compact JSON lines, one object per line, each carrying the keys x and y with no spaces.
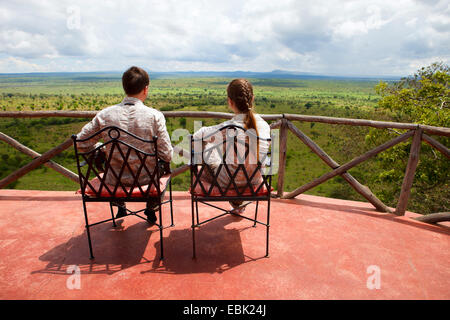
{"x":120,"y":192}
{"x":215,"y":192}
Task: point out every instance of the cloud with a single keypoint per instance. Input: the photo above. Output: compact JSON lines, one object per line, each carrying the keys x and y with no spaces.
{"x":12,"y":64}
{"x":345,"y":37}
{"x":18,"y":43}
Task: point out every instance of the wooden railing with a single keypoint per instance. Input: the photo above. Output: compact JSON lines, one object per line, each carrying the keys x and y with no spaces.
{"x":418,"y":133}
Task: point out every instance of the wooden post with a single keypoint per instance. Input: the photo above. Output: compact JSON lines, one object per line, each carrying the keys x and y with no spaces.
{"x":35,"y":163}
{"x":410,"y":172}
{"x":282,"y":157}
{"x":358,"y":187}
{"x":33,"y":154}
{"x":349,"y":165}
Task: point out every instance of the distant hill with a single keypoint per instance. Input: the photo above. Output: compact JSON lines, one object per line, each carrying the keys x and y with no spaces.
{"x":116,"y":75}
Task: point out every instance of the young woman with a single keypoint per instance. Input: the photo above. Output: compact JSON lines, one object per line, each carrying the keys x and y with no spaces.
{"x":240,"y":101}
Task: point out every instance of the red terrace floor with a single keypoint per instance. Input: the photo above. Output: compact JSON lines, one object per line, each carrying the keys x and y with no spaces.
{"x":320,"y":248}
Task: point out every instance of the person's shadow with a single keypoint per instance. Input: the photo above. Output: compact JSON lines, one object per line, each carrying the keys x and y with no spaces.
{"x":115,"y":249}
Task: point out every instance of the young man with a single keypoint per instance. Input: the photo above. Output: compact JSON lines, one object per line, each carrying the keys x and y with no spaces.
{"x":133,"y":116}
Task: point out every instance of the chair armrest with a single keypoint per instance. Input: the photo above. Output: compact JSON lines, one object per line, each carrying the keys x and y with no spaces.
{"x":164,"y":167}
{"x":99,"y":158}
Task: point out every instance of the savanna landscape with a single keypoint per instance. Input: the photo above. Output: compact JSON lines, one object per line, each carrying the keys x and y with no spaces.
{"x":358,"y":98}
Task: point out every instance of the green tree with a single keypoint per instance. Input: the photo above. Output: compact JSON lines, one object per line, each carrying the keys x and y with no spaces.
{"x":423,"y":99}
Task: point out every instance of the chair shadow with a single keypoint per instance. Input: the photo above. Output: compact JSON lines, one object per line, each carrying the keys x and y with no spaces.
{"x":218,"y":249}
{"x":115,"y":249}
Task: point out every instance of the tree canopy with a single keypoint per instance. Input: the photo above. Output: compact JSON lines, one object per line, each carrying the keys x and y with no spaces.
{"x":422,"y":98}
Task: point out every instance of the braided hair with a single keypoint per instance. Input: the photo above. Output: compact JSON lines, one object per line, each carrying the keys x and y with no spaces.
{"x":240,"y":91}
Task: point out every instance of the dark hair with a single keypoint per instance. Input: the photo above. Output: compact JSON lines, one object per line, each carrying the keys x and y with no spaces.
{"x":134,"y":80}
{"x":240,"y":91}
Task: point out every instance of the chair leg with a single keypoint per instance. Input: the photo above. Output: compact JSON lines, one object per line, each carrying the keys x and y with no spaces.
{"x":196,"y":210}
{"x":256,"y":213}
{"x":87,"y":230}
{"x":112,"y":215}
{"x":161,"y":232}
{"x":267,"y":228}
{"x":193,"y":230}
{"x":170,"y":201}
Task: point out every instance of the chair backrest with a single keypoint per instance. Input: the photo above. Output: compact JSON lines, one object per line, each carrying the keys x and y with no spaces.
{"x":128,"y":171}
{"x":231,"y":162}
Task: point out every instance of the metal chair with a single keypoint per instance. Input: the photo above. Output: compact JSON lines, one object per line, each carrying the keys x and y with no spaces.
{"x":93,"y":175}
{"x":236,"y":149}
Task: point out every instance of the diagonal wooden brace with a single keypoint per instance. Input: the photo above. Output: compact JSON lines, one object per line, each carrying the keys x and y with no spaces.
{"x":436,"y":144}
{"x":33,"y":154}
{"x":360,"y":188}
{"x":35,"y":163}
{"x":349,"y":165}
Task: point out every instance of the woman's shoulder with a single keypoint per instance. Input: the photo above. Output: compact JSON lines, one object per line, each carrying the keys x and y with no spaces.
{"x":263,"y":126}
{"x":206,"y":131}
{"x":258,"y":117}
{"x":260,"y":120}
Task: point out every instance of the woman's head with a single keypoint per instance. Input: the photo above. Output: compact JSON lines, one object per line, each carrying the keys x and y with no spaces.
{"x":240,"y":92}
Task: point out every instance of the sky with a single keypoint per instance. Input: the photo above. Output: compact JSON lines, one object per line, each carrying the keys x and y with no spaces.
{"x":332,"y":37}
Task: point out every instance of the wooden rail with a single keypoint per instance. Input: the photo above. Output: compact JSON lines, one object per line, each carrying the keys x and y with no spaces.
{"x":419,"y":133}
{"x":223,"y":115}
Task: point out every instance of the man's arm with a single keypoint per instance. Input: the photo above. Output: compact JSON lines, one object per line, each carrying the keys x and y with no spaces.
{"x":165,"y":150}
{"x":89,"y":129}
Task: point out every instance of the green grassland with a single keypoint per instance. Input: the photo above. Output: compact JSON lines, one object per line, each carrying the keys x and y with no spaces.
{"x":327,"y":97}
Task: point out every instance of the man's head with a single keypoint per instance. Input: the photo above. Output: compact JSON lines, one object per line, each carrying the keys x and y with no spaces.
{"x":135,"y":82}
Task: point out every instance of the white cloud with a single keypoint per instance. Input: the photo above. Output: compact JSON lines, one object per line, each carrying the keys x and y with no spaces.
{"x":12,"y":64}
{"x":347,"y":37}
{"x":18,"y":43}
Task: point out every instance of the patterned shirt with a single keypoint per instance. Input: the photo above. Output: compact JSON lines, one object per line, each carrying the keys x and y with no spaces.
{"x":133,"y":116}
